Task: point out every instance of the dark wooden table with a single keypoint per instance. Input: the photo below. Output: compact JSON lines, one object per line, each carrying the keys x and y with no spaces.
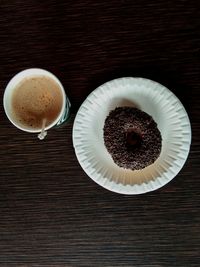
{"x":51,"y":213}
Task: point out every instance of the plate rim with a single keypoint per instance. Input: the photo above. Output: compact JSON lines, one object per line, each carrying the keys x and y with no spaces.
{"x":124,"y":192}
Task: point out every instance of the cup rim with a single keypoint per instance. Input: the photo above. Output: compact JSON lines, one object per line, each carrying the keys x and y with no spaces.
{"x":27,"y":73}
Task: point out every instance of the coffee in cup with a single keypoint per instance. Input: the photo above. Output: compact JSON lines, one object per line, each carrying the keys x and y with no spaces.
{"x":35,"y":96}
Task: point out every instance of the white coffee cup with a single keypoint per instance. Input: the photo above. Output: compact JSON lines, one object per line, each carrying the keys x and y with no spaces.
{"x":65,"y":110}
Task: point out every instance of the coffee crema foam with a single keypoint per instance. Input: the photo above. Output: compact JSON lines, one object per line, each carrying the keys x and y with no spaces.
{"x":34,"y":99}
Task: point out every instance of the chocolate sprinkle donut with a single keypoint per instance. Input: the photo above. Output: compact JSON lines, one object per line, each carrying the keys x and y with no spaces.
{"x":132,"y":138}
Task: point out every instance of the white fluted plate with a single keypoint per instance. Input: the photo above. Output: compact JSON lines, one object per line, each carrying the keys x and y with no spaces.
{"x":154,"y":99}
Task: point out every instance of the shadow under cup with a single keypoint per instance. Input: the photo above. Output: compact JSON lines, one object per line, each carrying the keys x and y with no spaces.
{"x":63,"y":114}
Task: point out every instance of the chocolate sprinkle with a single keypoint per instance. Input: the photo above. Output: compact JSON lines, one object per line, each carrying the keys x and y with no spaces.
{"x":132,"y":138}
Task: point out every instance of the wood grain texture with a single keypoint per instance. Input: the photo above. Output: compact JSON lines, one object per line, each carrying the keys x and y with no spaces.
{"x":51,"y":213}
